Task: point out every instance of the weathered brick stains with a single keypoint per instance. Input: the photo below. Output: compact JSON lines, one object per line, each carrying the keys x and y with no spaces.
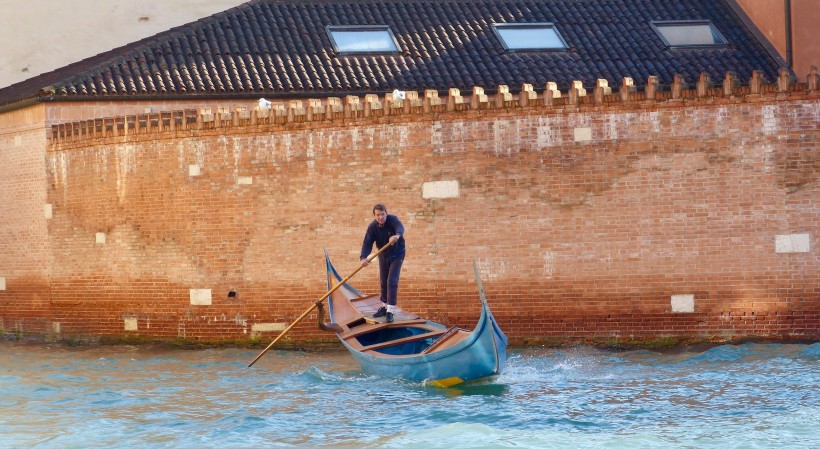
{"x":578,"y":235}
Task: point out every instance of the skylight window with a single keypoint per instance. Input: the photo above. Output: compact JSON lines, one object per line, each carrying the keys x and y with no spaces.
{"x":689,"y":34}
{"x":529,"y":36}
{"x":363,"y":39}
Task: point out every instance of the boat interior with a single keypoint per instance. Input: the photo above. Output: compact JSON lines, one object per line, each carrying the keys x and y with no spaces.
{"x":408,"y":335}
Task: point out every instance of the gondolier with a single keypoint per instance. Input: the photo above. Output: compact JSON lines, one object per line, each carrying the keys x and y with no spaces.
{"x":384,"y":229}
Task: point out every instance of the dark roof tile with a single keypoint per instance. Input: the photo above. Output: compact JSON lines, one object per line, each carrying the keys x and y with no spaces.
{"x":271,"y":47}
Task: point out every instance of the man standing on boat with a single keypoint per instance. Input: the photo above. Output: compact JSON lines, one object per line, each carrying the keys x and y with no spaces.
{"x":385,"y":229}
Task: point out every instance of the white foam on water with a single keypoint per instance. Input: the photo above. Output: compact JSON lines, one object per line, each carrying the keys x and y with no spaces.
{"x":480,"y":436}
{"x":562,"y":398}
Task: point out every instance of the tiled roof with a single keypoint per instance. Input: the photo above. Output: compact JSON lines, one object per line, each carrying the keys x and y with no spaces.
{"x":280,"y":47}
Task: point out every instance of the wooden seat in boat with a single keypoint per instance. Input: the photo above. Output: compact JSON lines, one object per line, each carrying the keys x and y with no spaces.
{"x":400,"y":341}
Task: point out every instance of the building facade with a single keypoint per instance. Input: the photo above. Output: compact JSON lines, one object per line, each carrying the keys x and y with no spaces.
{"x":610,"y":210}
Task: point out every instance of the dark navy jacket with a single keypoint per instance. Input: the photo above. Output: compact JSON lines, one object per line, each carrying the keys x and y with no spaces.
{"x":381,"y":234}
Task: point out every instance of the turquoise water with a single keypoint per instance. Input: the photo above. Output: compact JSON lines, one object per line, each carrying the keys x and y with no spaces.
{"x":745,"y":396}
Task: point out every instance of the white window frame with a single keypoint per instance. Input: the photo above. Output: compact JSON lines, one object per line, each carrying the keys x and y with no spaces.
{"x":546,"y":25}
{"x":362,"y":28}
{"x":658,"y":24}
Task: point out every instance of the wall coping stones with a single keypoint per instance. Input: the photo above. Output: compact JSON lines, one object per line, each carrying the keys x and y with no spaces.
{"x":353,"y":108}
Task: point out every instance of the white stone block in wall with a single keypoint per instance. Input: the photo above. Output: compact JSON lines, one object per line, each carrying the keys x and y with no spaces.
{"x":18,"y":141}
{"x":791,"y":243}
{"x":48,"y":211}
{"x":268,"y":327}
{"x":200,"y":296}
{"x":683,"y":303}
{"x":244,"y":180}
{"x":2,"y":283}
{"x":439,"y":189}
{"x":583,"y":134}
{"x":55,"y":327}
{"x":130,"y":324}
{"x":194,"y":170}
{"x":100,"y":238}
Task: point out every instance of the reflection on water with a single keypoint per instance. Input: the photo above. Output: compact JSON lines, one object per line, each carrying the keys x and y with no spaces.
{"x":750,"y":396}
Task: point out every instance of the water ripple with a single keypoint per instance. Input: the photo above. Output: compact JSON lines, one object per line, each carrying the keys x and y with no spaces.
{"x":741,"y":396}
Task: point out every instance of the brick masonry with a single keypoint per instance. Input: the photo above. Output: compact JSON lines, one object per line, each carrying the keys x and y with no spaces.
{"x":25,"y":256}
{"x":689,"y":214}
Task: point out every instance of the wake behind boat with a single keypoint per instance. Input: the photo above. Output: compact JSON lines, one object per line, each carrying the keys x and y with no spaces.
{"x":412,"y":347}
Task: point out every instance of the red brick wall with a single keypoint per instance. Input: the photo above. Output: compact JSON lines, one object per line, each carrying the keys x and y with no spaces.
{"x":25,"y":263}
{"x":584,"y":220}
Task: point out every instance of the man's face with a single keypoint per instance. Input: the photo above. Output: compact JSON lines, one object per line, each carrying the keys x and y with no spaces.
{"x":381,"y":216}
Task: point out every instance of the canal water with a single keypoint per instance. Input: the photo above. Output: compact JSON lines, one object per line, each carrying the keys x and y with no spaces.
{"x":733,"y":396}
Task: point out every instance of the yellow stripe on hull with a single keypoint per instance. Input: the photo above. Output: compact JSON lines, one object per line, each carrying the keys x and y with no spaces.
{"x":448,"y":382}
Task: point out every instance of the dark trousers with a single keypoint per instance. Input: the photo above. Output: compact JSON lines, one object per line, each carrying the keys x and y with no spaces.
{"x":389,"y":271}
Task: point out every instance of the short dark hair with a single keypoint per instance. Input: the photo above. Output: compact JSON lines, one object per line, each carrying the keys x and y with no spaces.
{"x":379,"y":206}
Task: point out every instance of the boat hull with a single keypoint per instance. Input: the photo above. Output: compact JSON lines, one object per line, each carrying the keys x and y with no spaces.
{"x":469,"y":356}
{"x":479,"y":358}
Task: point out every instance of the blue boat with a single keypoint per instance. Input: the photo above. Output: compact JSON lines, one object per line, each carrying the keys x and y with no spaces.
{"x":411,"y":347}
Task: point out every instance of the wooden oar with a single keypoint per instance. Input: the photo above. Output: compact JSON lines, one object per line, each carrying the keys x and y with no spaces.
{"x":307,"y":312}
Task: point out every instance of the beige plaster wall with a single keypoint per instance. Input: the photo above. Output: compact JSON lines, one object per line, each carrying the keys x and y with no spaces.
{"x":44,"y":35}
{"x":769,"y":16}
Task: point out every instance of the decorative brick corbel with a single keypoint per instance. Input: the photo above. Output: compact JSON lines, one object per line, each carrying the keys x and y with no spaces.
{"x":729,"y":83}
{"x":503,"y":97}
{"x":108,"y":126}
{"x":388,"y":103}
{"x":395,"y":103}
{"x":551,"y":93}
{"x":527,"y":96}
{"x":431,"y":100}
{"x":333,"y":105}
{"x":704,"y":83}
{"x":757,"y":82}
{"x":784,"y":81}
{"x":119,"y":126}
{"x":454,"y":98}
{"x":314,"y":109}
{"x":351,"y":106}
{"x":602,"y":89}
{"x":223,"y":115}
{"x":627,"y":89}
{"x":296,"y":108}
{"x":813,"y":79}
{"x":651,"y":90}
{"x":371,"y":104}
{"x":157,"y":117}
{"x":217,"y":121}
{"x":261,"y":115}
{"x":149,"y":125}
{"x":678,"y":86}
{"x":163,"y":116}
{"x":411,"y":100}
{"x":478,"y":98}
{"x":576,"y":91}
